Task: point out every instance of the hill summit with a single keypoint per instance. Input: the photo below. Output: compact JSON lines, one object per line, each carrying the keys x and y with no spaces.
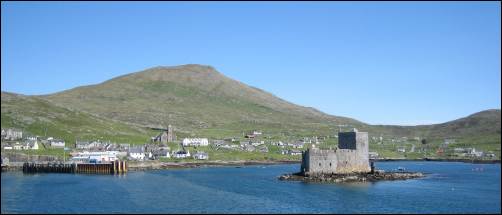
{"x":190,"y":97}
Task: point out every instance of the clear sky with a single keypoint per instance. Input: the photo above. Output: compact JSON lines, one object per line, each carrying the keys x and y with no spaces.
{"x":400,"y":63}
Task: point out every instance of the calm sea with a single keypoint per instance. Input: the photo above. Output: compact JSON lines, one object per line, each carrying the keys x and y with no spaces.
{"x":449,"y":187}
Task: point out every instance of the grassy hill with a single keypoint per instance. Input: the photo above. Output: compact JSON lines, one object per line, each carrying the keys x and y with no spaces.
{"x":37,"y":116}
{"x":199,"y":101}
{"x":194,"y":99}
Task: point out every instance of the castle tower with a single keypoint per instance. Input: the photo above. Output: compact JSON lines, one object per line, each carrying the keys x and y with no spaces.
{"x":170,"y":134}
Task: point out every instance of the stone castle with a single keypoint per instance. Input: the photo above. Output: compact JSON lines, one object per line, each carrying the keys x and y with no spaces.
{"x":351,"y":156}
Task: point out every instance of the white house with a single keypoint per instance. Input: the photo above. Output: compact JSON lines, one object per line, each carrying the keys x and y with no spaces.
{"x":258,"y":143}
{"x":295,"y":152}
{"x":57,"y":143}
{"x":401,"y":149}
{"x":31,"y":138}
{"x":137,"y":153}
{"x":32,"y":144}
{"x":17,"y":146}
{"x":298,"y":145}
{"x":256,"y":133}
{"x":201,"y":156}
{"x":161,"y":153}
{"x":195,"y":142}
{"x":181,"y":154}
{"x":12,"y":134}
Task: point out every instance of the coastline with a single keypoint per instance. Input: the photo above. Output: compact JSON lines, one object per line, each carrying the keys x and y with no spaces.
{"x":157,"y":165}
{"x":440,"y":160}
{"x":138,"y":166}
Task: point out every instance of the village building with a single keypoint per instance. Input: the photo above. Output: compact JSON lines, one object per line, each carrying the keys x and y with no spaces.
{"x":448,"y":141}
{"x":401,"y":149}
{"x":31,"y":138}
{"x":350,"y":156}
{"x":218,"y":142}
{"x":181,"y":154}
{"x":160,"y":153}
{"x":247,"y":147}
{"x":201,"y":156}
{"x":256,"y":133}
{"x":12,"y":134}
{"x":250,"y":135}
{"x":18,"y":146}
{"x":195,"y":142}
{"x":295,"y":152}
{"x":95,"y":157}
{"x":230,"y":139}
{"x":167,"y":135}
{"x":298,"y":145}
{"x":263,"y":149}
{"x":57,"y":143}
{"x":125,"y":146}
{"x":137,"y":153}
{"x":32,"y":144}
{"x":258,"y":143}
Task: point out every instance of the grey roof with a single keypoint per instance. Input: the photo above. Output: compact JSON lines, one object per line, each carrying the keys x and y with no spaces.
{"x":136,"y":150}
{"x":57,"y":140}
{"x":31,"y":143}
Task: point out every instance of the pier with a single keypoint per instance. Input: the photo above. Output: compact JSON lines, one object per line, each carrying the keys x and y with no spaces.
{"x":115,"y":167}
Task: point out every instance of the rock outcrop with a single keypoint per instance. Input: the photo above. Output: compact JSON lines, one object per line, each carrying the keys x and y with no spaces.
{"x":353,"y":177}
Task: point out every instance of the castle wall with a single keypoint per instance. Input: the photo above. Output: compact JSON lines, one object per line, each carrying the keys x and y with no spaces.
{"x":351,"y":156}
{"x":319,"y":161}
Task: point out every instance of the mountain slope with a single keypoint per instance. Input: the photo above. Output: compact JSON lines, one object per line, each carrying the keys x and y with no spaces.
{"x":37,"y":116}
{"x":478,"y":124}
{"x":190,"y":97}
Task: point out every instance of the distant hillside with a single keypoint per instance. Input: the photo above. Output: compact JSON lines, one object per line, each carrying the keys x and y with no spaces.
{"x":37,"y":116}
{"x":482,"y":123}
{"x":198,"y":100}
{"x":191,"y":97}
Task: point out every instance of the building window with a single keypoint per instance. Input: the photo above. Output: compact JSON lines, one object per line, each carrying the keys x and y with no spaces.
{"x":329,"y":164}
{"x":319,"y":164}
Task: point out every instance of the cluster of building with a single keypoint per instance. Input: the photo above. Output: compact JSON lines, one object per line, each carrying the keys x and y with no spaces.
{"x":297,"y":145}
{"x":96,"y":151}
{"x":14,"y":139}
{"x":472,"y":153}
{"x":291,"y":152}
{"x":98,"y":145}
{"x":253,"y":134}
{"x":195,"y":142}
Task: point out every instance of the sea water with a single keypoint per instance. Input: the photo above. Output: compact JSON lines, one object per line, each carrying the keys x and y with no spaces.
{"x":449,"y":187}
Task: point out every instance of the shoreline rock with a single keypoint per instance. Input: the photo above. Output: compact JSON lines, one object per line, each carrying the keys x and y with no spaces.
{"x":180,"y":165}
{"x":379,"y":175}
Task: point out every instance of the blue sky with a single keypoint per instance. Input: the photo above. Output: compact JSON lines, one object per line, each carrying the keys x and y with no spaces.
{"x":400,"y":63}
